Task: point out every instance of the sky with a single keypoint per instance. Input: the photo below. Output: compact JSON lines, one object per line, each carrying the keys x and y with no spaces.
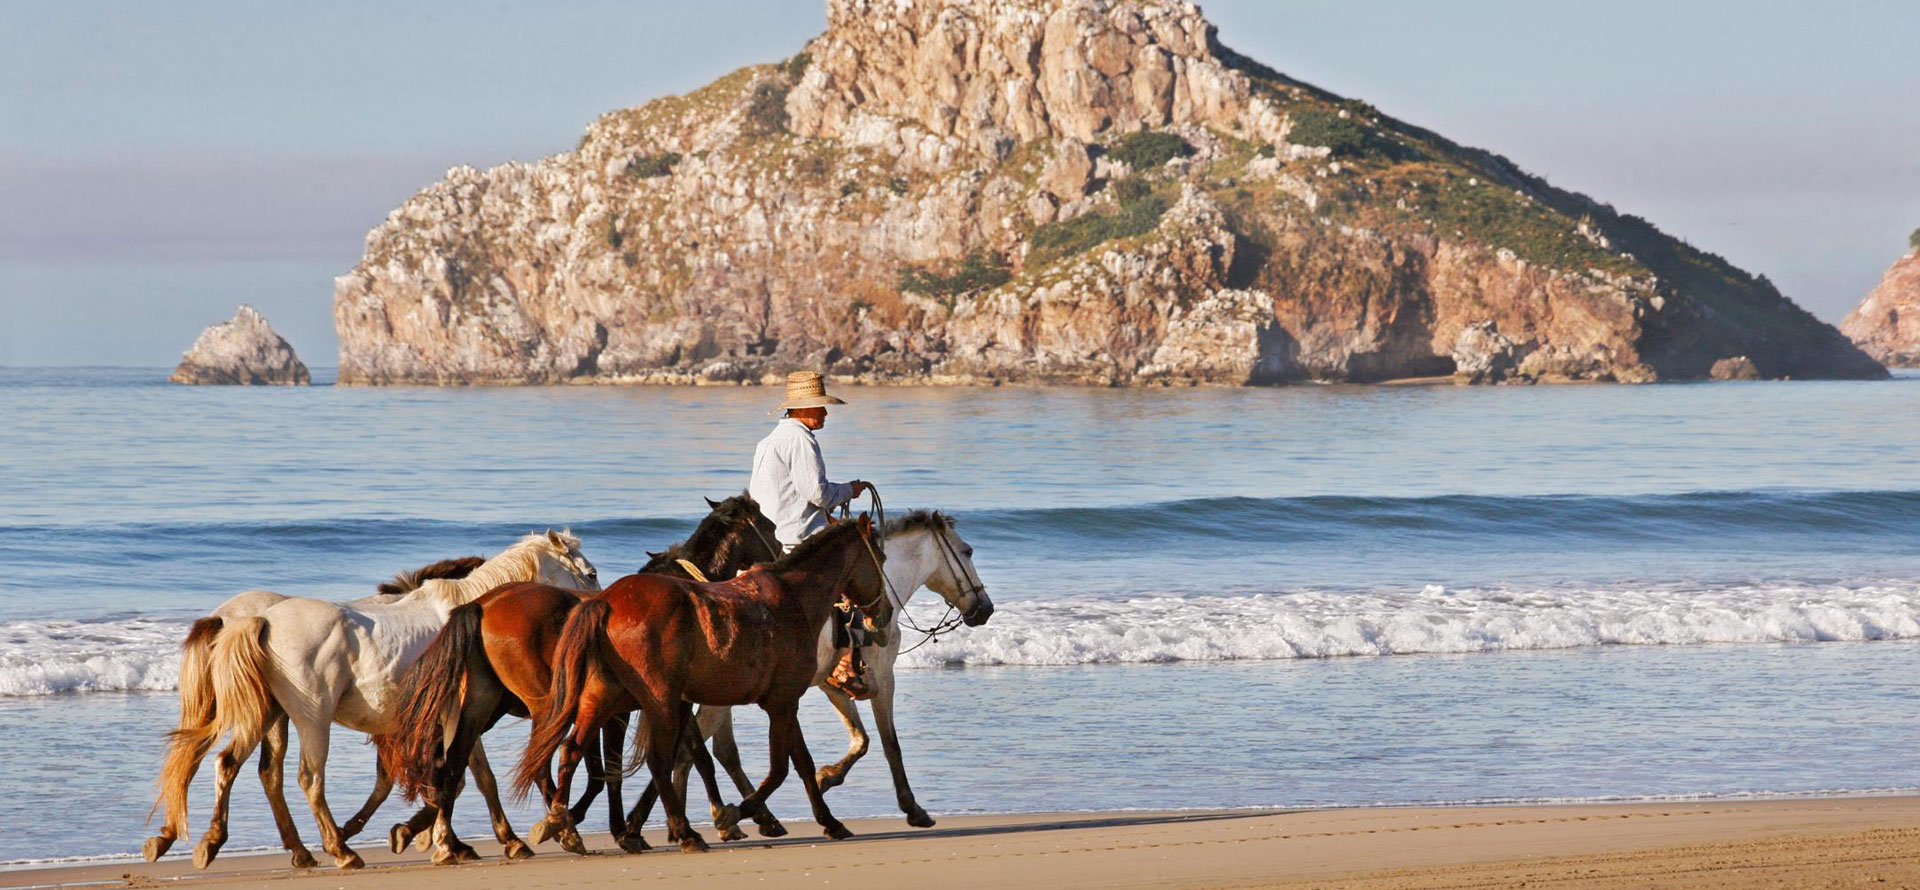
{"x":162,"y":162}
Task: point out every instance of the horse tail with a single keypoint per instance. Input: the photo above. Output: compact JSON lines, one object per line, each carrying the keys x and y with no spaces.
{"x":413,"y":751}
{"x":239,"y":664}
{"x":577,"y":653}
{"x":189,"y":742}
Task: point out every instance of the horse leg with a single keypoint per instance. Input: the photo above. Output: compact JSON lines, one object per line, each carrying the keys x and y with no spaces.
{"x":515,"y":848}
{"x":227,"y":768}
{"x":779,"y":740}
{"x":558,"y":824}
{"x":632,"y":842}
{"x":612,"y":739}
{"x":315,"y":735}
{"x":803,"y":764}
{"x":830,"y":777}
{"x":414,"y":830}
{"x":726,"y":750}
{"x":890,"y":745}
{"x":273,"y":778}
{"x":382,"y":786}
{"x":663,"y":748}
{"x":723,"y":813}
{"x":462,"y":751}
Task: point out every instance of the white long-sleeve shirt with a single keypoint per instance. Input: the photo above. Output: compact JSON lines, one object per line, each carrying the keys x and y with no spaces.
{"x":790,"y":482}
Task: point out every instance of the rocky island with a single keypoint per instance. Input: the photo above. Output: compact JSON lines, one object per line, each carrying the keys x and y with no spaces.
{"x":1055,"y":191}
{"x":243,"y":350}
{"x":1887,"y":323}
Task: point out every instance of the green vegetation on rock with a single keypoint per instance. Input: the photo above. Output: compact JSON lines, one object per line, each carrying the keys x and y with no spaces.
{"x":767,"y":107}
{"x":650,"y":166}
{"x":978,"y":270}
{"x":1139,"y":211}
{"x":1913,"y":240}
{"x":1319,"y":128}
{"x":1146,"y":150}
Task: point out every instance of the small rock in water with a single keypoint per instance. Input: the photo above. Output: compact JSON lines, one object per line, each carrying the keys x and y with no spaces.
{"x":1738,"y":367}
{"x":243,"y":350}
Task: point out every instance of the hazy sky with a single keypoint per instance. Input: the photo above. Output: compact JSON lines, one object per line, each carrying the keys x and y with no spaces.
{"x":160,"y":162}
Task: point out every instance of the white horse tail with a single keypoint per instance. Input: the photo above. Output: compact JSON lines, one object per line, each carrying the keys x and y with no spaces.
{"x":242,"y":698}
{"x":187,"y":744}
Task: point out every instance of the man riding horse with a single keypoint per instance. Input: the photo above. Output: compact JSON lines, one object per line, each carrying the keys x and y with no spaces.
{"x":790,"y":482}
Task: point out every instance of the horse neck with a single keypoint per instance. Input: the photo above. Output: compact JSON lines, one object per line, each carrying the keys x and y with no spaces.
{"x":911,"y":562}
{"x":816,"y":586}
{"x":518,"y":563}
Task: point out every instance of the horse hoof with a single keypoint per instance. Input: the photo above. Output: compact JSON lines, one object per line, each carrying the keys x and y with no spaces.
{"x":349,"y":862}
{"x":570,"y":841}
{"x":203,"y":854}
{"x":733,"y":834}
{"x":693,"y":843}
{"x":836,"y":831}
{"x":918,"y":818}
{"x":422,"y":841}
{"x":632,"y":842}
{"x":444,"y":857}
{"x":156,"y":847}
{"x":726,"y":817}
{"x":517,"y":849}
{"x":398,"y":837}
{"x":828,"y":777}
{"x":772,"y":828}
{"x":464,"y":853}
{"x":304,"y":859}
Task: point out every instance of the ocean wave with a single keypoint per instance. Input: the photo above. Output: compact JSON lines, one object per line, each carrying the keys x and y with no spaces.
{"x":47,"y":657}
{"x":1315,"y":624}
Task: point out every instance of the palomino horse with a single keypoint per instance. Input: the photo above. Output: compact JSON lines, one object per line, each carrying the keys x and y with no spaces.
{"x":671,"y":643}
{"x":321,"y":663}
{"x":922,"y":548}
{"x":188,"y":748}
{"x":494,"y":658}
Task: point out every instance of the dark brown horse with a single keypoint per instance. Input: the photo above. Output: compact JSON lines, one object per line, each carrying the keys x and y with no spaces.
{"x":670,"y":643}
{"x":493,"y":659}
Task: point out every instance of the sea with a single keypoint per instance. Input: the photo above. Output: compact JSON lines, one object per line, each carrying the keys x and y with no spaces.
{"x":1302,"y":596}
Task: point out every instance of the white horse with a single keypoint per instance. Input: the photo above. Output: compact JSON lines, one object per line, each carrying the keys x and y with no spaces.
{"x":319,"y":663}
{"x":187,"y":748}
{"x":922,"y":549}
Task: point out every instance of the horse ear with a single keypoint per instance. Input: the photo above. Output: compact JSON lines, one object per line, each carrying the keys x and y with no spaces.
{"x":711,"y":503}
{"x":866,"y":523}
{"x":553,"y":537}
{"x":653,"y":555}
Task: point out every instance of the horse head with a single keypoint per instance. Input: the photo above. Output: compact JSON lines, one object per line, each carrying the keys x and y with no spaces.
{"x":954,"y":577}
{"x":561,"y":563}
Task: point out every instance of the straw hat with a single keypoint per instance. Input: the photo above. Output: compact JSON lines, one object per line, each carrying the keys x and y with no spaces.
{"x":806,"y":389}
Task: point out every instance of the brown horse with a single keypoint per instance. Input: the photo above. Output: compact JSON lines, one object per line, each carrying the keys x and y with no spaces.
{"x":671,"y":643}
{"x":493,"y":659}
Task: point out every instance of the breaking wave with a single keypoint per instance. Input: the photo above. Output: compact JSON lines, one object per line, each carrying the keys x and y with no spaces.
{"x":1318,"y":624}
{"x":47,"y":657}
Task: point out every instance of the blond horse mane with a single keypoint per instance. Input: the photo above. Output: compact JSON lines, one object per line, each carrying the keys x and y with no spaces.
{"x":518,"y":562}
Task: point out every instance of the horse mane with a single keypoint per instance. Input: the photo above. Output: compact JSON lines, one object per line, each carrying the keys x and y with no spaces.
{"x":717,"y":536}
{"x":448,"y":569}
{"x":929,"y":520}
{"x":522,"y":560}
{"x":821,"y":540}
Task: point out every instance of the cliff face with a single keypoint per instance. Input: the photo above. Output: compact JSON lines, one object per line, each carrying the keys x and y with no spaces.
{"x":1085,"y":191}
{"x":1887,"y":323}
{"x":243,"y":350}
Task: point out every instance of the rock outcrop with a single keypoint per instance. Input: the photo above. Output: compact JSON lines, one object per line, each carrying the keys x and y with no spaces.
{"x":243,"y":350}
{"x":1077,"y":191}
{"x":1887,"y":323}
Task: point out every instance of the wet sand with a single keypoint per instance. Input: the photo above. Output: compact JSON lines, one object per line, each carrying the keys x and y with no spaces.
{"x":1848,"y":842}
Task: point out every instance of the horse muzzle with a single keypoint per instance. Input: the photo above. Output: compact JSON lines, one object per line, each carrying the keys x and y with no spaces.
{"x":979,"y":614}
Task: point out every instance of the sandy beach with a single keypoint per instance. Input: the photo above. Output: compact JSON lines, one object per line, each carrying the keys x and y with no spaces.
{"x":1871,"y":841}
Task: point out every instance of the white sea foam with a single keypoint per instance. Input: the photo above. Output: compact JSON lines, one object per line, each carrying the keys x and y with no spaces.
{"x":45,"y":657}
{"x":1317,"y":624}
